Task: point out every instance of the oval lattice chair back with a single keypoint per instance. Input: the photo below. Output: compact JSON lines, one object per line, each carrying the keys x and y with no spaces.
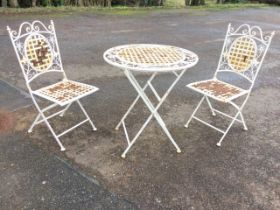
{"x":36,"y":49}
{"x":243,"y":51}
{"x":38,"y":52}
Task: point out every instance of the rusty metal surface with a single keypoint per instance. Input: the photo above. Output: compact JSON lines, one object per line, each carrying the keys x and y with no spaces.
{"x":218,"y":89}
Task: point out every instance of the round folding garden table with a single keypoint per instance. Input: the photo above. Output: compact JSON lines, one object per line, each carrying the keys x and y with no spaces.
{"x":153,"y":59}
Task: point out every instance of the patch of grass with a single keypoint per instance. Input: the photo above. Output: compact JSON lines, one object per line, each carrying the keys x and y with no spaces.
{"x":119,"y":10}
{"x":211,"y":5}
{"x":34,"y":11}
{"x":40,"y":10}
{"x":125,"y":11}
{"x":175,"y":3}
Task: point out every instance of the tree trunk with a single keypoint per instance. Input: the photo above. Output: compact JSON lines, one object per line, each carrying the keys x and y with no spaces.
{"x":196,"y":2}
{"x":109,"y":3}
{"x":34,"y":3}
{"x":80,"y":3}
{"x":187,"y":2}
{"x":4,"y":3}
{"x":137,"y":3}
{"x":13,"y":3}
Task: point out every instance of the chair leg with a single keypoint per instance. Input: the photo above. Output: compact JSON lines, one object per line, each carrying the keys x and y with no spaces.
{"x":230,"y":125}
{"x":85,"y":113}
{"x":200,"y":102}
{"x":34,"y":123}
{"x":44,"y":119}
{"x":41,"y":114}
{"x":210,"y":106}
{"x":62,"y":148}
{"x":243,"y":121}
{"x":66,"y":108}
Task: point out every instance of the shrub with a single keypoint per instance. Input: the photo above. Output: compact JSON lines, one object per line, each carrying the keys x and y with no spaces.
{"x":25,"y":3}
{"x":276,"y":2}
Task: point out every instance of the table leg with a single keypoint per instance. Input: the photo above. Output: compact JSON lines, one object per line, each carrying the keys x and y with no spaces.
{"x":135,"y":101}
{"x":151,"y":107}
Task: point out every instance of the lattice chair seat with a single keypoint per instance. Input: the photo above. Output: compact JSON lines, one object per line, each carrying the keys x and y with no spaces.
{"x":217,"y":89}
{"x":65,"y":92}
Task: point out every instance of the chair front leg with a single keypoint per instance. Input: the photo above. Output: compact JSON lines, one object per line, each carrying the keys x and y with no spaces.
{"x":66,"y":108}
{"x":210,"y":106}
{"x":194,"y":112}
{"x":44,"y":119}
{"x":86,"y":114}
{"x":230,"y":125}
{"x":239,"y":109}
{"x":62,"y":148}
{"x":239,"y":113}
{"x":34,"y":123}
{"x":243,"y":121}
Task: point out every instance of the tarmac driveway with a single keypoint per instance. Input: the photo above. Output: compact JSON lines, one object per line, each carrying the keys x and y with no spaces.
{"x":242,"y":174}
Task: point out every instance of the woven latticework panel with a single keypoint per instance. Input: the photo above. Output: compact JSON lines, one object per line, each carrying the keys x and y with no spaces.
{"x":38,"y":52}
{"x":66,"y":90}
{"x":241,"y":54}
{"x":217,"y":88}
{"x":150,"y":55}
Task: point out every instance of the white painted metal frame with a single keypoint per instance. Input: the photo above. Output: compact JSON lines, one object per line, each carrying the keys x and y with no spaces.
{"x":177,"y":69}
{"x":18,"y":39}
{"x":262,"y":42}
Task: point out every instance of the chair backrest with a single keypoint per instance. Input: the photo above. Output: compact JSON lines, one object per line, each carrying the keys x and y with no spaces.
{"x":36,"y":48}
{"x":243,"y":51}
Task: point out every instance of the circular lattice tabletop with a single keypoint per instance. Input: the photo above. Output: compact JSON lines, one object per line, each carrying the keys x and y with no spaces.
{"x":147,"y":57}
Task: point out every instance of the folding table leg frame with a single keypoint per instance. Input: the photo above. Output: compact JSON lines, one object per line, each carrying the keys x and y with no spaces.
{"x":153,"y":109}
{"x":41,"y":117}
{"x":214,"y":111}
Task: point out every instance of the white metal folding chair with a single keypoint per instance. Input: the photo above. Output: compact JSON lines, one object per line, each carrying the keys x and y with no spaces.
{"x":243,"y":53}
{"x":38,"y":53}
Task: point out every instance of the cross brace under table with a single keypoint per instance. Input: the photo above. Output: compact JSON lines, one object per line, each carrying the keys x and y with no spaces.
{"x":153,"y":109}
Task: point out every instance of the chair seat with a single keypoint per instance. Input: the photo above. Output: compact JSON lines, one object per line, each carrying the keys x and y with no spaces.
{"x":65,"y":92}
{"x":217,"y":89}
